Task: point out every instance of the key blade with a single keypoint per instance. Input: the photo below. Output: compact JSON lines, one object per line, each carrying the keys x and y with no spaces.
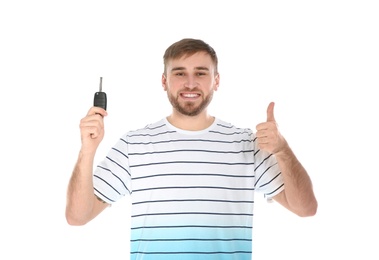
{"x":101,"y":84}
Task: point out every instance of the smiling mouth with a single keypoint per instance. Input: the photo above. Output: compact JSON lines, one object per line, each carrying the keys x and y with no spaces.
{"x":189,"y":95}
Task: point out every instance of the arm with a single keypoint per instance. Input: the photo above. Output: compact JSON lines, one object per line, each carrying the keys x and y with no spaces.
{"x":298,"y":194}
{"x":82,"y":204}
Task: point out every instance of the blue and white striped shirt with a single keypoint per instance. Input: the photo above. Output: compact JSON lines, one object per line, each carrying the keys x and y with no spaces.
{"x":192,"y":191}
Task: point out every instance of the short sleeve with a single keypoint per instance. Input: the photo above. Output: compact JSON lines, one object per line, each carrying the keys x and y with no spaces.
{"x":269,"y":179}
{"x":112,"y":178}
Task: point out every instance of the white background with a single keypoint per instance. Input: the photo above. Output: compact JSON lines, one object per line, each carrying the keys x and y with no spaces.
{"x":318,"y":60}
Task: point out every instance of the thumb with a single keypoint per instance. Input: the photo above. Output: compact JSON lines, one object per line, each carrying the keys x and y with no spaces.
{"x":270,"y":112}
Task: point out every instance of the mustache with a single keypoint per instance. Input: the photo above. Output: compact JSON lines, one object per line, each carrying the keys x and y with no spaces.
{"x":185,"y":89}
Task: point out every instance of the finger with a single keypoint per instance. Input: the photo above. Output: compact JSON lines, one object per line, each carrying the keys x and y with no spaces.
{"x":261,"y":133}
{"x":270,"y":112}
{"x":90,"y":129}
{"x":262,"y":126}
{"x":93,"y":132}
{"x":91,"y":125}
{"x":97,"y":110}
{"x":262,"y":139}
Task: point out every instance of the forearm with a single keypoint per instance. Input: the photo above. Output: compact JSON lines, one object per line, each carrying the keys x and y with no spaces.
{"x":298,"y":185}
{"x":80,"y":195}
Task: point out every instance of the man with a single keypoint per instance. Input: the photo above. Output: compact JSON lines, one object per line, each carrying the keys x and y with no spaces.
{"x":191,"y":176}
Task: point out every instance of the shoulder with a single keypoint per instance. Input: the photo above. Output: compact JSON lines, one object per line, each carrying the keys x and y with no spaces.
{"x":149,"y":128}
{"x":154,"y":130}
{"x":229,"y":128}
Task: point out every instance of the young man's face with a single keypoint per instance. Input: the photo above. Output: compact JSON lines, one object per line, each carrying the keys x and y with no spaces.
{"x":190,"y":82}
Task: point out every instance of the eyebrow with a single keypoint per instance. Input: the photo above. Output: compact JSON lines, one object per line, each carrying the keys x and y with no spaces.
{"x":196,"y":68}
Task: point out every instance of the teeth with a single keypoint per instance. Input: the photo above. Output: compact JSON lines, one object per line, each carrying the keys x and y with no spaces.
{"x":190,"y":95}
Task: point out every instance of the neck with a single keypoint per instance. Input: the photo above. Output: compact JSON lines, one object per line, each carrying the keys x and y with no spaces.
{"x":191,"y":123}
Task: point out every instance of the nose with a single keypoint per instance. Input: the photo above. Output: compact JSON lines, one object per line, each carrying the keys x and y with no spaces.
{"x":191,"y":82}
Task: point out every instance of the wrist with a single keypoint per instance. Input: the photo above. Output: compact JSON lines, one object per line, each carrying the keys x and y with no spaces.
{"x":284,"y":151}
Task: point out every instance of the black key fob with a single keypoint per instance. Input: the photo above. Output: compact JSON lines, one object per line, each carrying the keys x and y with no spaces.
{"x":100,"y":99}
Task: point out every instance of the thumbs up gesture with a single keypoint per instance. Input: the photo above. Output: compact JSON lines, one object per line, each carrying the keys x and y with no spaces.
{"x":268,"y":136}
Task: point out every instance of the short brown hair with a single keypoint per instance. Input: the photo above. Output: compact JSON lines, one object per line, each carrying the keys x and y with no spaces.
{"x":188,"y":46}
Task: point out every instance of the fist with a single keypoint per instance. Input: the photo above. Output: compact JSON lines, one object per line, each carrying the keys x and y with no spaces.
{"x":92,"y":128}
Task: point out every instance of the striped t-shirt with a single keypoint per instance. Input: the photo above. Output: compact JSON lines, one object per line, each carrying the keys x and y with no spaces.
{"x":192,"y":191}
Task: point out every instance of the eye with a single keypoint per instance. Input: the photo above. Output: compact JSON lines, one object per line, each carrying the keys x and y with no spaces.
{"x":179,"y":74}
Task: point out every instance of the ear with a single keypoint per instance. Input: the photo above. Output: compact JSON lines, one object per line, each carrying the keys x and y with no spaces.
{"x":217,"y":81}
{"x":164,"y":81}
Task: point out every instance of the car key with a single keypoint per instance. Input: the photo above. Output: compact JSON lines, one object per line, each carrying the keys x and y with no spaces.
{"x":100,"y":99}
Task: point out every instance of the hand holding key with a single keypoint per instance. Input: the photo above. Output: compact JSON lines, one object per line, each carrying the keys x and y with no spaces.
{"x":92,"y":125}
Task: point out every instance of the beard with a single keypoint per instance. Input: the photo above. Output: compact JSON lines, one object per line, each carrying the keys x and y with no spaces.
{"x":189,"y":108}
